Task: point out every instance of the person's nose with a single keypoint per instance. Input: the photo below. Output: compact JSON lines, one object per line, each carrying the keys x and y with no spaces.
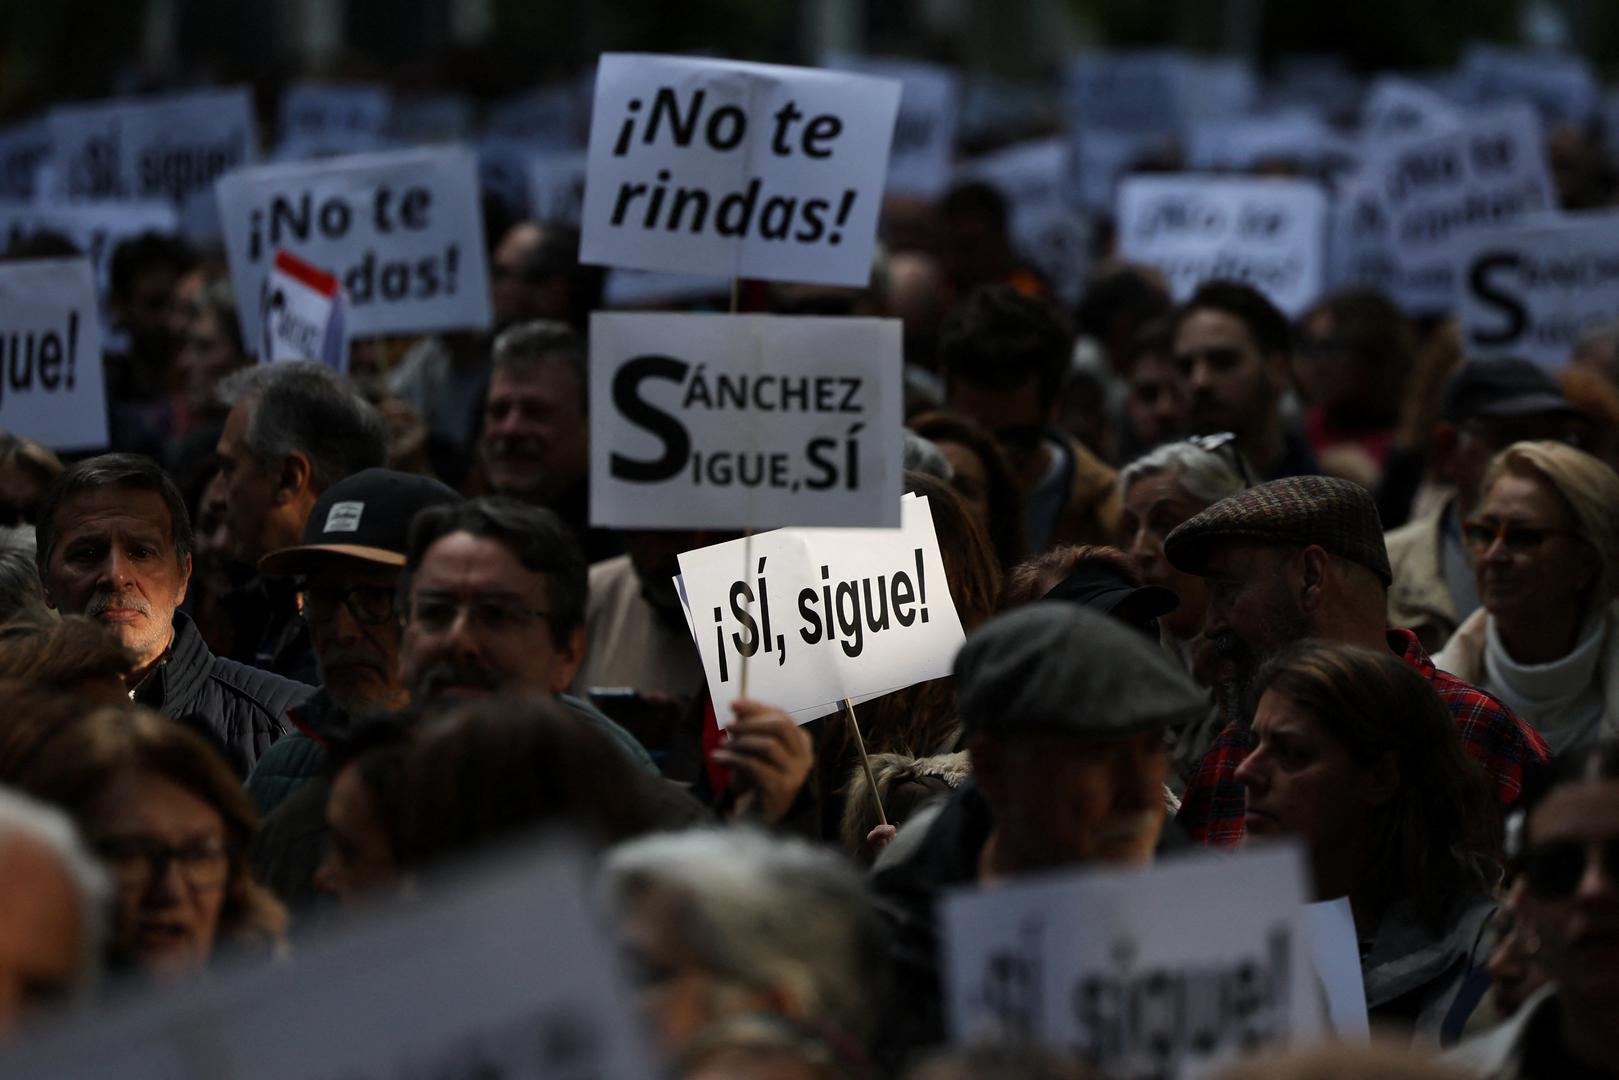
{"x":214,"y":497}
{"x":115,"y":571}
{"x":328,"y":879}
{"x":345,"y":628}
{"x":1598,"y":880}
{"x":1251,"y":773}
{"x":1145,"y":549}
{"x":165,"y":886}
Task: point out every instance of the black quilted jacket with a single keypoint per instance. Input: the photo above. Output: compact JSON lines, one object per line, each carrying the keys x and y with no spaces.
{"x":241,"y":709}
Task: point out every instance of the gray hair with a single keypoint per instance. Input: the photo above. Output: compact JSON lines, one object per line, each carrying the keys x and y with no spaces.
{"x":305,"y":407}
{"x":767,"y":912}
{"x":924,"y":456}
{"x":1204,"y":474}
{"x":527,"y":345}
{"x":51,"y":828}
{"x":22,"y":594}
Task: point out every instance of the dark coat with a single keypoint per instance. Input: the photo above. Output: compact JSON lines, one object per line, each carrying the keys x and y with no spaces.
{"x":241,"y":709}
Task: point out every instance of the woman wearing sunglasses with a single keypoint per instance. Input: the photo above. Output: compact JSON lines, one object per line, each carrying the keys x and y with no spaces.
{"x":1568,"y":912}
{"x":1359,"y":759}
{"x":1545,"y":547}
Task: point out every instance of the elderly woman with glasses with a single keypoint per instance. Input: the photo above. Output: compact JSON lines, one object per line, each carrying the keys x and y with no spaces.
{"x":174,"y":828}
{"x":1544,"y":541}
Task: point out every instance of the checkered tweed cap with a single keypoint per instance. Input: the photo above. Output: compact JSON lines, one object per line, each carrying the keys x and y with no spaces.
{"x":1297,"y":511}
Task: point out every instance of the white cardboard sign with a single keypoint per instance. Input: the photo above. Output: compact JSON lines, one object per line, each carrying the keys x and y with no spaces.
{"x":1396,"y":107}
{"x":1107,"y":963}
{"x":1560,"y":85}
{"x":556,"y":187}
{"x":1142,"y":91}
{"x":738,"y":421}
{"x":925,"y":131}
{"x":23,"y":149}
{"x":171,"y":148}
{"x":326,"y":120}
{"x":402,"y":231}
{"x":736,"y":169}
{"x":96,"y":228}
{"x":819,"y":615}
{"x":1434,"y":191}
{"x":1531,"y":290}
{"x":302,"y":313}
{"x":1268,"y":233}
{"x":509,"y":975}
{"x":51,"y":388}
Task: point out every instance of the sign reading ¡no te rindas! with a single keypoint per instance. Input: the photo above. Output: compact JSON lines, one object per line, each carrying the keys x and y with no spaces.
{"x":736,"y":169}
{"x":402,"y":232}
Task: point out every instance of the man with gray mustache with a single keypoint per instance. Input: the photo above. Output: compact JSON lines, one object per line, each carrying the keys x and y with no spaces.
{"x":114,"y":544}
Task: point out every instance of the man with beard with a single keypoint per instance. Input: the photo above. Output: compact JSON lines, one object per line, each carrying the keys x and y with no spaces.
{"x":536,"y":434}
{"x":115,"y":544}
{"x":1303,"y":557}
{"x":1235,"y":350}
{"x":495,"y":593}
{"x":347,"y":573}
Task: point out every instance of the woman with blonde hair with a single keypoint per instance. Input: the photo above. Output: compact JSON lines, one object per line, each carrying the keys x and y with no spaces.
{"x":172,"y":824}
{"x":1545,"y":546}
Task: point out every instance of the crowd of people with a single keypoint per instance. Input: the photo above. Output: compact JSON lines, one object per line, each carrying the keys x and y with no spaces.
{"x":299,"y":639}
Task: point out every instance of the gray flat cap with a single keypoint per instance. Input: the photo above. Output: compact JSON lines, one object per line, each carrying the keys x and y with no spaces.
{"x":1054,"y":666}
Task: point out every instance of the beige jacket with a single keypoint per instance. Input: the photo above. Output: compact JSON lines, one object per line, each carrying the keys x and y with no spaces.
{"x":1419,"y":599}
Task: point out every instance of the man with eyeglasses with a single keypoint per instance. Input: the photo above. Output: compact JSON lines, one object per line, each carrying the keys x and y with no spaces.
{"x":346,"y":570}
{"x":1488,"y":405}
{"x":1004,"y":356}
{"x":495,"y":603}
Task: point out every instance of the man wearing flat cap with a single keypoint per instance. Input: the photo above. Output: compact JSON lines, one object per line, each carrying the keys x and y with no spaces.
{"x":1304,"y":558}
{"x":1065,"y":712}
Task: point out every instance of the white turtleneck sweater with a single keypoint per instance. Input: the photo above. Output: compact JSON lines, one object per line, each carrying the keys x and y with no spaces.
{"x":1565,"y":700}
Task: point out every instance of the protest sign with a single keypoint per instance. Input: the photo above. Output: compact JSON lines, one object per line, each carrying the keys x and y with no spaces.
{"x":1108,"y":965}
{"x":23,"y":149}
{"x":736,"y":169}
{"x":1396,"y":107}
{"x":95,"y":228}
{"x":302,"y":312}
{"x":1560,"y":85}
{"x":1268,"y":233}
{"x":746,"y":421}
{"x":1335,"y":951}
{"x":556,"y":187}
{"x":643,"y":288}
{"x":326,"y":120}
{"x":925,"y":130}
{"x":402,"y":231}
{"x":509,"y":975}
{"x":1046,"y":227}
{"x":1531,"y":290}
{"x":1433,"y":191}
{"x":1297,"y":135}
{"x":171,"y":148}
{"x":430,"y":119}
{"x":1318,"y":81}
{"x":1142,"y":91}
{"x":51,"y":388}
{"x":819,"y":615}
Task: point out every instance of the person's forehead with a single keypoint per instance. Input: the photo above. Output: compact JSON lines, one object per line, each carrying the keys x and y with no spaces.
{"x":549,"y":377}
{"x":1585,"y":810}
{"x":1515,"y":494}
{"x":333,"y":569}
{"x":1210,"y":328}
{"x":460,"y":561}
{"x":114,"y":509}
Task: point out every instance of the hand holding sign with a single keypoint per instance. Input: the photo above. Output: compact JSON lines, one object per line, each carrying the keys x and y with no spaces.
{"x":820,"y":615}
{"x":741,"y":170}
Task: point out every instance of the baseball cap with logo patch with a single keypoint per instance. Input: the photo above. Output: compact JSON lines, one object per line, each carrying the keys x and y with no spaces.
{"x":364,"y":516}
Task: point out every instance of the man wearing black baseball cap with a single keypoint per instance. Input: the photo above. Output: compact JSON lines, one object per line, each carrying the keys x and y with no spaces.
{"x":1488,"y":405}
{"x":347,"y":573}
